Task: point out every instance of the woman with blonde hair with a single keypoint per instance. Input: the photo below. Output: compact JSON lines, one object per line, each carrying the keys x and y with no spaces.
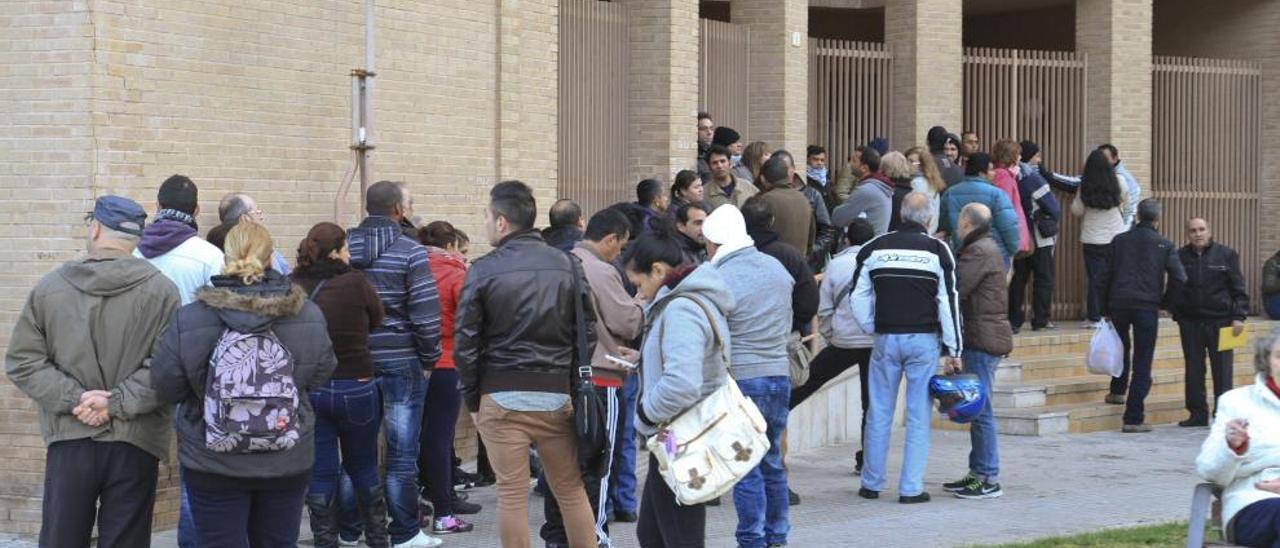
{"x":928,"y":180}
{"x":240,"y":362}
{"x":753,"y":159}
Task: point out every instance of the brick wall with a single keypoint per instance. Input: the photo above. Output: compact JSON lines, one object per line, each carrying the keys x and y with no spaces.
{"x":1116,"y":35}
{"x":779,"y":71}
{"x":663,"y":86}
{"x":925,"y":37}
{"x":113,"y":96}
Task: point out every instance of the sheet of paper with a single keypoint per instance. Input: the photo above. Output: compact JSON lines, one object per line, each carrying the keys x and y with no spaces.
{"x":1228,"y":341}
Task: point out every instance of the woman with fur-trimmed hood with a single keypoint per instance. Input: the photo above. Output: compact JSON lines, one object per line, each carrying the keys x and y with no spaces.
{"x":246,"y":446}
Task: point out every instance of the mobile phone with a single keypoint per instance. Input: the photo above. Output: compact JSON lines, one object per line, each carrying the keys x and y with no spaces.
{"x":624,"y":363}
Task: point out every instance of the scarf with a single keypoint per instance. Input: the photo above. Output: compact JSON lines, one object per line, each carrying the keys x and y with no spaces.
{"x":818,"y":174}
{"x":175,"y":215}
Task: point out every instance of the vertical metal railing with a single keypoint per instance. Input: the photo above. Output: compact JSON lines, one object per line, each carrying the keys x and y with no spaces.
{"x":593,"y":109}
{"x":850,"y":96}
{"x":1207,"y":150}
{"x":724,"y":83}
{"x":1040,"y":96}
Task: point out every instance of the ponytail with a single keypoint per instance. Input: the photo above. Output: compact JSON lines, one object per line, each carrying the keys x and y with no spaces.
{"x":248,"y":253}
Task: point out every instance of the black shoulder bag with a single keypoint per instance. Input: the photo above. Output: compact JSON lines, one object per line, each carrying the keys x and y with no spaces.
{"x":589,"y":408}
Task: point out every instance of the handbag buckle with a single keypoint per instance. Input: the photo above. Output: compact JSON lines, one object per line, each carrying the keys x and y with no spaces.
{"x":584,"y":371}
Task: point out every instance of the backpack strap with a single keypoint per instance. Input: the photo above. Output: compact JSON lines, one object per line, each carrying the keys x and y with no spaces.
{"x":316,"y":291}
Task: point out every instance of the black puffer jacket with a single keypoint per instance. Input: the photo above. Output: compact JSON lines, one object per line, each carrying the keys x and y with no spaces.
{"x":1135,"y":277}
{"x":180,"y":368}
{"x":804,"y":294}
{"x":514,"y":330}
{"x":1215,"y":287}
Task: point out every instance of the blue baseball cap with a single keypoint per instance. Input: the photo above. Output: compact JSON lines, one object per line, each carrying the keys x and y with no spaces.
{"x":120,"y":214}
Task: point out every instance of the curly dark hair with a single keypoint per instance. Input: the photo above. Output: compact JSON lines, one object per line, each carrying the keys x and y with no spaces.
{"x":1099,"y":187}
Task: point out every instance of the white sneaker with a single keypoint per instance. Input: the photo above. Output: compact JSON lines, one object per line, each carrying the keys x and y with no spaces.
{"x":423,"y":540}
{"x":355,"y":542}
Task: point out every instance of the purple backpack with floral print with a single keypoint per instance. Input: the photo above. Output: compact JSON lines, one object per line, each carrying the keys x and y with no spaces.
{"x":250,"y":401}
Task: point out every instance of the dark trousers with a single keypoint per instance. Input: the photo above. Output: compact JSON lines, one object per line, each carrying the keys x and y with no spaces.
{"x":112,"y":483}
{"x":829,"y":364}
{"x":239,"y":518}
{"x":1139,"y":351}
{"x":1200,"y":338}
{"x":664,"y":523}
{"x":1040,"y":266}
{"x":596,"y":486}
{"x":435,"y":453}
{"x":1096,"y":262}
{"x":1258,"y":525}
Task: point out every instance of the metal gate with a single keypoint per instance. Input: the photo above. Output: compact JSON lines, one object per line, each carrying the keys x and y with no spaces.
{"x":593,"y":69}
{"x":1040,"y":96}
{"x":1206,"y":152}
{"x":850,"y":95}
{"x":724,"y":74}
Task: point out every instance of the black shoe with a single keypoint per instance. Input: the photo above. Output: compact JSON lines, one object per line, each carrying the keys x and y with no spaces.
{"x":625,"y":517}
{"x":1045,"y":327}
{"x":868,"y":494}
{"x":1193,"y":423}
{"x":463,"y":480}
{"x":484,"y":481}
{"x":465,"y":508}
{"x":980,"y":490}
{"x":922,"y":497}
{"x":962,"y":483}
{"x":792,"y":498}
{"x":857,"y":467}
{"x":713,"y":502}
{"x":1017,"y":330}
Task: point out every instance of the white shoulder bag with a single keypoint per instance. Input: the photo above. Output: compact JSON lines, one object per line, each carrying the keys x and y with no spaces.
{"x":705,"y":450}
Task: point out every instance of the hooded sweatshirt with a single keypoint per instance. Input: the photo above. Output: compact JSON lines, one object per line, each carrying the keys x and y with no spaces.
{"x":683,"y":362}
{"x":399,"y":269}
{"x":173,"y":248}
{"x":872,"y":199}
{"x":91,"y":325}
{"x":180,"y":369}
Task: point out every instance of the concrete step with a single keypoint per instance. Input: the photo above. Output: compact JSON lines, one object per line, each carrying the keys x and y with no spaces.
{"x":1071,"y":339}
{"x":1093,"y":388}
{"x":1073,"y":365}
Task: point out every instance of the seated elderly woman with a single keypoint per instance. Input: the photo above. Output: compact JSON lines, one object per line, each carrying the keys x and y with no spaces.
{"x":1242,"y":453}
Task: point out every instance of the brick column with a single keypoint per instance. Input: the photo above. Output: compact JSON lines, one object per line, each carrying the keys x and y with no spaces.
{"x":925,"y":38}
{"x":1116,"y":37}
{"x":528,"y":95}
{"x":779,"y":78}
{"x":1269,"y":54}
{"x":663,"y":87}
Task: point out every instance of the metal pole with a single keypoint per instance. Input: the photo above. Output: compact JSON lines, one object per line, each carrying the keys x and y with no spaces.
{"x":366,"y":106}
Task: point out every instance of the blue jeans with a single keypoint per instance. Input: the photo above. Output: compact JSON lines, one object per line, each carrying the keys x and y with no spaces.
{"x":404,"y":390}
{"x":186,"y":523}
{"x":622,"y":497}
{"x":1273,"y":306}
{"x":347,"y":410}
{"x":984,"y":456}
{"x":761,"y":495}
{"x":915,"y":356}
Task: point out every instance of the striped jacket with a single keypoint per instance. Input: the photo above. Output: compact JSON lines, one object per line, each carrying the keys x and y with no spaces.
{"x":906,"y":283}
{"x":399,"y":270}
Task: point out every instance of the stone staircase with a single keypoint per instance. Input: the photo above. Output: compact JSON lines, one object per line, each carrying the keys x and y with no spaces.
{"x":1044,"y":387}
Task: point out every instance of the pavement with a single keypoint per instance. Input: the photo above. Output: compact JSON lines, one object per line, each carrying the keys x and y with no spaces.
{"x":1053,"y":485}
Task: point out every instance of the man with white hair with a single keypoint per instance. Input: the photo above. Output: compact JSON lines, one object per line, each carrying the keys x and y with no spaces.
{"x":905,"y":294}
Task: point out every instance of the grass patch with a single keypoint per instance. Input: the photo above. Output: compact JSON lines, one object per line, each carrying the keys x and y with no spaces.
{"x":1167,"y":534}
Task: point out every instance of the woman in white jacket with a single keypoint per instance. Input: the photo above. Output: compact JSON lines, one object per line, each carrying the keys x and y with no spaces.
{"x":1242,"y":453}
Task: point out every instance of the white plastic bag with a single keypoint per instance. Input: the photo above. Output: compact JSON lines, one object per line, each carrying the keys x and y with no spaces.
{"x":1106,"y":352}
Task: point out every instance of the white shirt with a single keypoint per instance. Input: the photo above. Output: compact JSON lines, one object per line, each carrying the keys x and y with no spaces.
{"x":189,"y":266}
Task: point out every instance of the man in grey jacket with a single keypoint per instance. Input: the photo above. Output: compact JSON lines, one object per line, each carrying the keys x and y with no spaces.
{"x":873,"y":198}
{"x":81,"y":350}
{"x":758,"y":325}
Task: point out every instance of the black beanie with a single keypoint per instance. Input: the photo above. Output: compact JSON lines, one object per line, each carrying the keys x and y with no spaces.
{"x":725,"y":136}
{"x":1029,"y":150}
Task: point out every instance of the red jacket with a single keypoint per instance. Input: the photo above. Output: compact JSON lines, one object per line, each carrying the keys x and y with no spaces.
{"x":449,"y":271}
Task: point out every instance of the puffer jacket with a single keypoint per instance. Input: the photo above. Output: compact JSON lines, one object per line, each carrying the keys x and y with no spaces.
{"x":1237,"y":474}
{"x":682,"y":360}
{"x":1008,"y":184}
{"x":1135,"y":277}
{"x":984,"y":301}
{"x":1004,"y":221}
{"x":180,"y":371}
{"x":515,"y":325}
{"x":449,"y":271}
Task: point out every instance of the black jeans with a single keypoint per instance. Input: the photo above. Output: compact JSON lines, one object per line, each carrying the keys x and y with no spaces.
{"x":829,"y":364}
{"x":664,"y":523}
{"x":1039,"y":265}
{"x":239,"y":518}
{"x":1258,"y":524}
{"x":1139,"y":351}
{"x":80,"y":474}
{"x":1200,"y":337}
{"x":1097,"y":259}
{"x":597,"y":487}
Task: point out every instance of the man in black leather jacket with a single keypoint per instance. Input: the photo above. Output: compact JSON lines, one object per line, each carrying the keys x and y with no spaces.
{"x":514,"y":347}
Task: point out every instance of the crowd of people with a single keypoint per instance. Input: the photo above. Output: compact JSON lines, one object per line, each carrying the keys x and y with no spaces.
{"x":281,"y":380}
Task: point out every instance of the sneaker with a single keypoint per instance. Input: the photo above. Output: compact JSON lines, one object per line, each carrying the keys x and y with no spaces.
{"x":1115,"y":399}
{"x":1193,"y":423}
{"x":1045,"y":327}
{"x":868,"y":494}
{"x":980,"y":490}
{"x":917,"y":499}
{"x":465,"y":508}
{"x":423,"y":540}
{"x":449,"y":525}
{"x":857,"y":467}
{"x":793,"y":499}
{"x":345,"y":542}
{"x":959,"y":485}
{"x":1136,"y":428}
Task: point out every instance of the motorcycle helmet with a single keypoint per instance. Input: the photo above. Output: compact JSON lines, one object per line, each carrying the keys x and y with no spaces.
{"x":960,"y":397}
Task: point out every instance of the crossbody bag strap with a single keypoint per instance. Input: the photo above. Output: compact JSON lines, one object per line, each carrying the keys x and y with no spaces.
{"x":316,"y":291}
{"x":715,"y":331}
{"x":583,"y":368}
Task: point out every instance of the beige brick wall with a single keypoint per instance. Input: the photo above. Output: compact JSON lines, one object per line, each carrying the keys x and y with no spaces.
{"x":1116,"y":36}
{"x":113,"y":96}
{"x":663,"y":88}
{"x":925,"y":38}
{"x":779,"y":71}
